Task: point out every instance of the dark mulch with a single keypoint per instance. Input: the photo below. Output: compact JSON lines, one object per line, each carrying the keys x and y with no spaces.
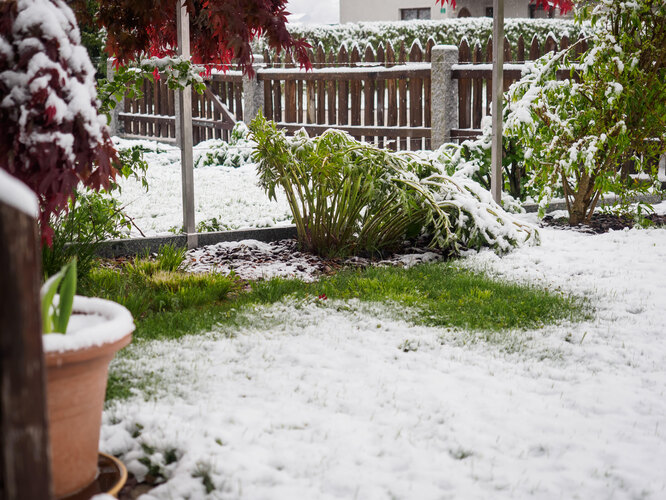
{"x":602,"y":223}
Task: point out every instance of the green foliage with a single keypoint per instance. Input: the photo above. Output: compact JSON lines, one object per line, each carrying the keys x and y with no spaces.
{"x":128,"y":80}
{"x":577,"y":133}
{"x":147,"y":287}
{"x":92,"y":218}
{"x":350,"y":198}
{"x":56,"y":314}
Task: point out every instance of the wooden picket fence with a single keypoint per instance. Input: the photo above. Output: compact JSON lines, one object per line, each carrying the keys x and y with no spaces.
{"x":381,"y":96}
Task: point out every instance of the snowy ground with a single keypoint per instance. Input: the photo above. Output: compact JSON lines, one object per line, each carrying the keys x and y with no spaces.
{"x":316,"y":399}
{"x":231,"y":195}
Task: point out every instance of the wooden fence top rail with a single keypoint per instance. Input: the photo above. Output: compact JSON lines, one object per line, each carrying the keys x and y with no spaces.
{"x":410,"y":70}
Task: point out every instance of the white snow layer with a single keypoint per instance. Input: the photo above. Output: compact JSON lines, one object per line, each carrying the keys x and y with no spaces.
{"x":230,"y":195}
{"x":17,"y":195}
{"x":321,"y":399}
{"x":94,"y":322}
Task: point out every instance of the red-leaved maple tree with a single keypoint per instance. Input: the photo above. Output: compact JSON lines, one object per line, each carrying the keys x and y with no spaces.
{"x":51,"y":136}
{"x":564,"y":5}
{"x":220,"y":30}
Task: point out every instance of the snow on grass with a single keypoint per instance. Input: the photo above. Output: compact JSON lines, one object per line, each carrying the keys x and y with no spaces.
{"x":325,"y":399}
{"x":230,"y":195}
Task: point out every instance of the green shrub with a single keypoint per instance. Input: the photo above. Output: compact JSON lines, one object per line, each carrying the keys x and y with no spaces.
{"x":350,"y":198}
{"x":577,"y":134}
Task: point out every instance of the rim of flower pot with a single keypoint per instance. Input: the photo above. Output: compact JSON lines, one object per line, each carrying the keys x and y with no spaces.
{"x":110,"y":327}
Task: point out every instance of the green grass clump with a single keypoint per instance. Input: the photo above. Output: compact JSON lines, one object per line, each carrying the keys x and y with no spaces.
{"x":445,"y":295}
{"x":171,"y":304}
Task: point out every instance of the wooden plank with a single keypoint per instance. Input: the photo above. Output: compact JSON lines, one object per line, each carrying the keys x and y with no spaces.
{"x":343,"y":86}
{"x":428,"y":49}
{"x":535,"y":49}
{"x":415,"y":97}
{"x":369,"y":95}
{"x":238,"y":111}
{"x":477,"y":91}
{"x":402,"y":97}
{"x":392,"y":94}
{"x":268,"y":91}
{"x":277,"y":101}
{"x":290,"y":88}
{"x":464,"y":88}
{"x":551,"y":44}
{"x":564,"y":42}
{"x":300,"y":107}
{"x":320,"y":59}
{"x":520,"y":49}
{"x":355,"y":91}
{"x":381,"y":89}
{"x":331,"y":92}
{"x":507,"y":58}
{"x":25,"y":469}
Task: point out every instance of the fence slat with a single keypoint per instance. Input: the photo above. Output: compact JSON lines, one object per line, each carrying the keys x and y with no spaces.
{"x":551,"y":44}
{"x":535,"y":49}
{"x":331,"y":91}
{"x":355,"y":87}
{"x":520,"y":49}
{"x":464,"y":88}
{"x":290,"y":88}
{"x":381,"y":89}
{"x":391,"y":90}
{"x":321,"y":86}
{"x":343,"y":90}
{"x":369,"y":95}
{"x":477,"y":91}
{"x":415,"y":97}
{"x":402,"y":96}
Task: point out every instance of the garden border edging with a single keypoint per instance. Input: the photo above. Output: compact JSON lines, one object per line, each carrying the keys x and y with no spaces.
{"x":133,"y":246}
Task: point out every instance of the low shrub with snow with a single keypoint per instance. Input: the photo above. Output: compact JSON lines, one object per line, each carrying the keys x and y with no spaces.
{"x":580,"y":133}
{"x":235,"y":153}
{"x":350,"y":198}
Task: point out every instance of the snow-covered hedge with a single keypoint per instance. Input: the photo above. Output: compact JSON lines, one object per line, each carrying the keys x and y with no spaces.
{"x":448,"y":31}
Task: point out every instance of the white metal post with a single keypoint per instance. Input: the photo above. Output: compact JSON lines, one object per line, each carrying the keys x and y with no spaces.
{"x":184,"y":128}
{"x":498,"y":88}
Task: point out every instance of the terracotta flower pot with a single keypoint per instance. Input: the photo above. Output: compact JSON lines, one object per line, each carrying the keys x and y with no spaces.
{"x":76,"y":387}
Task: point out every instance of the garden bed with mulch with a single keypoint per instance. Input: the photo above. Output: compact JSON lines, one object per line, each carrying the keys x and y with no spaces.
{"x":602,"y":223}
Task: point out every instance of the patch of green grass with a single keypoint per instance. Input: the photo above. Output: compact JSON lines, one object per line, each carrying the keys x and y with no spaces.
{"x":444,"y":295}
{"x":171,"y":304}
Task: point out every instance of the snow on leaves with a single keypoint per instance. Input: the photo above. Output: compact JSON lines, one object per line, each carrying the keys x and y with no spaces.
{"x":51,"y":136}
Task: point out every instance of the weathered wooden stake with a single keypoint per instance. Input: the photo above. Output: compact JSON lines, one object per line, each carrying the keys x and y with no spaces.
{"x":184,"y":129}
{"x":25,"y":471}
{"x":498,"y":88}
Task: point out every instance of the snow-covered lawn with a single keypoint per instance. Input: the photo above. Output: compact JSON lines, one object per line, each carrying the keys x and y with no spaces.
{"x":231,"y":195}
{"x":316,"y":400}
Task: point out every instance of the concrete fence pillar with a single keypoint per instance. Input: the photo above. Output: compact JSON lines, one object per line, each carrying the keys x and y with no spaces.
{"x":444,"y":94}
{"x":116,"y":126}
{"x":253,"y":92}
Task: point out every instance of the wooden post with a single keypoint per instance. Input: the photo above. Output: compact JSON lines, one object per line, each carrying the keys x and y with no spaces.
{"x":184,"y":132}
{"x":498,"y":87}
{"x":25,"y":470}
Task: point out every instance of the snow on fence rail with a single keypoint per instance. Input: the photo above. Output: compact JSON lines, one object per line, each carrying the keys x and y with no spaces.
{"x":380,"y":96}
